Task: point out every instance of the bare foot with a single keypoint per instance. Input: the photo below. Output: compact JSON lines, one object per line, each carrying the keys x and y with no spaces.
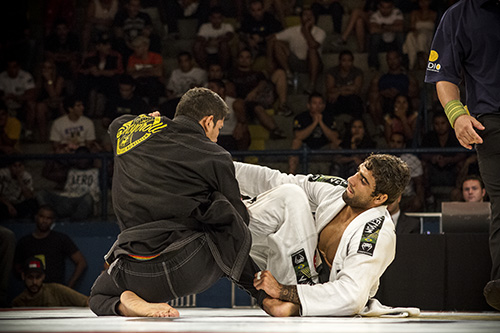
{"x":132,"y":305}
{"x":278,"y":308}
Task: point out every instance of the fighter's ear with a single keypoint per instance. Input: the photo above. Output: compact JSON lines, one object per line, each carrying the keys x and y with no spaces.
{"x":381,"y":199}
{"x":207,"y":122}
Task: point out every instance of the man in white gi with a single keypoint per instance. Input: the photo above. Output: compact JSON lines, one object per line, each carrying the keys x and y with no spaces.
{"x":323,"y":241}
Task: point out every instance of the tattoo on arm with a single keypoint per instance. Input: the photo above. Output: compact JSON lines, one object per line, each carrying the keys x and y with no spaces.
{"x":289,"y":294}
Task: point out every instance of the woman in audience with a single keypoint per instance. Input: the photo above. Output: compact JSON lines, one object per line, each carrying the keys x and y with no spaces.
{"x":402,"y":119}
{"x":419,"y":38}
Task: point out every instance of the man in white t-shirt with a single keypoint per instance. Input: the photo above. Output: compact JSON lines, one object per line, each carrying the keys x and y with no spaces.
{"x":386,"y":31}
{"x":298,"y":49}
{"x":72,"y":130}
{"x":78,"y":201}
{"x":17,"y":88}
{"x":212,"y":43}
{"x":182,"y":79}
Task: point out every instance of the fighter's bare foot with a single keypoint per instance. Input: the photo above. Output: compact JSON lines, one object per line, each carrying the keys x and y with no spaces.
{"x":132,"y":305}
{"x":278,"y":308}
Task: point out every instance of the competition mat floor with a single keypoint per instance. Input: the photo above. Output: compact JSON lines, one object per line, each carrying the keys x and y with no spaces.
{"x":202,"y":320}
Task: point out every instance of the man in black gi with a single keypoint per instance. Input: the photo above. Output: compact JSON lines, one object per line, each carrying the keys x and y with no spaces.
{"x":466,"y":45}
{"x":183,"y":225}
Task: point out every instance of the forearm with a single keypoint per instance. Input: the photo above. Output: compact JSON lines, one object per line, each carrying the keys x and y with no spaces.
{"x":447,"y":92}
{"x":290,"y":294}
{"x":305,"y":133}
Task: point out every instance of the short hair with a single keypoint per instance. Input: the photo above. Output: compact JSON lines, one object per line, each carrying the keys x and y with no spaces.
{"x":184,"y":53}
{"x":216,"y":10}
{"x":391,"y":175}
{"x":126,"y":79}
{"x":198,"y":103}
{"x":473,"y":177}
{"x":438,"y":114}
{"x":48,"y":208}
{"x":140,"y":40}
{"x":70,"y":101}
{"x":255,"y":1}
{"x":346,"y":52}
{"x":218,"y":82}
{"x":313,"y":95}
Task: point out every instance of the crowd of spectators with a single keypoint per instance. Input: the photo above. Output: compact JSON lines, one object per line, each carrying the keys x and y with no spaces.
{"x":64,"y":88}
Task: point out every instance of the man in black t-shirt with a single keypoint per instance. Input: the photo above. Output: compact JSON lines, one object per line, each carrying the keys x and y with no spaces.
{"x":52,"y":248}
{"x":313,"y":127}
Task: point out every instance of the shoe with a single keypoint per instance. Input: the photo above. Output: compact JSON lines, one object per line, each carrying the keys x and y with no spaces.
{"x":277,"y":134}
{"x":492,"y":294}
{"x":309,"y":89}
{"x":290,"y":78}
{"x":338,"y":42}
{"x":284,"y":111}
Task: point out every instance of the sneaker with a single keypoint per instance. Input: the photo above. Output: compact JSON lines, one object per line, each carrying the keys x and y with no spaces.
{"x":277,"y":134}
{"x":338,"y":42}
{"x":492,"y":294}
{"x":289,"y":78}
{"x":284,"y":111}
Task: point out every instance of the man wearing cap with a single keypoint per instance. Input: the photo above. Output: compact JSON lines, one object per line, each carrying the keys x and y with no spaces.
{"x":38,"y":293}
{"x":466,"y":45}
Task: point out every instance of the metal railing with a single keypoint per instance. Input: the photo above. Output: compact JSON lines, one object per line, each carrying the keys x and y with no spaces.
{"x":304,"y":153}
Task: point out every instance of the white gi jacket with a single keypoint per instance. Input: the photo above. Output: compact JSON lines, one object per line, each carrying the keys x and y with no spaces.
{"x":361,"y":257}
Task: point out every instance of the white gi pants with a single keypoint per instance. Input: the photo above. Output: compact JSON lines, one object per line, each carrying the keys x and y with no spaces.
{"x":284,"y":236}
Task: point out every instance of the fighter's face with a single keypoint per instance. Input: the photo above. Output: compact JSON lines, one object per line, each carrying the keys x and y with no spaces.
{"x":358,"y":194}
{"x":34,"y":281}
{"x":213,"y":129}
{"x":472,"y":191}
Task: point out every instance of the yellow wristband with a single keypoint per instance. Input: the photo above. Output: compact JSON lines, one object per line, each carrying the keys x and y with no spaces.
{"x":455,"y":109}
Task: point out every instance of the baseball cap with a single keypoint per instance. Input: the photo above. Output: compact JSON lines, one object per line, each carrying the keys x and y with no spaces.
{"x":33,"y":264}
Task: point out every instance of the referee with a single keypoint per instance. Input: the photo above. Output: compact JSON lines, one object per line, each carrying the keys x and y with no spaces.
{"x":467,"y":46}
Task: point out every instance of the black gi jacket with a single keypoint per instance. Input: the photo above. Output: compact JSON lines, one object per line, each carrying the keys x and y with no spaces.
{"x":171,"y":184}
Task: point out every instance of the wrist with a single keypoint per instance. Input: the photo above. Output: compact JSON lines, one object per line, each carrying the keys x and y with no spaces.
{"x":453,"y":110}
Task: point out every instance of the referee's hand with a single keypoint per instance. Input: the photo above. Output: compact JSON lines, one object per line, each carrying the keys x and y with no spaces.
{"x":465,"y":130}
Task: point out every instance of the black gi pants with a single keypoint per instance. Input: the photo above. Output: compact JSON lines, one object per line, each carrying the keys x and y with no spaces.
{"x":188,"y":271}
{"x":488,"y":154}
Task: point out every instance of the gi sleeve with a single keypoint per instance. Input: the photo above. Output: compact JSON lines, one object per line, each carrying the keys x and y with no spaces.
{"x":256,"y":179}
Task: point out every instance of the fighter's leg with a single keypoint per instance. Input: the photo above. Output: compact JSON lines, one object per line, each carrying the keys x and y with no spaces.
{"x":283,"y":228}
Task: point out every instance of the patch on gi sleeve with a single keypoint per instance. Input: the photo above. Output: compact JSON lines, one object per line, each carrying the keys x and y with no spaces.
{"x":301,"y":267}
{"x":337,"y":181}
{"x":370,"y":236}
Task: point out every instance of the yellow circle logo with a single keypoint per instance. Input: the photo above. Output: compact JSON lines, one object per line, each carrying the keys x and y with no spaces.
{"x":433,"y":56}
